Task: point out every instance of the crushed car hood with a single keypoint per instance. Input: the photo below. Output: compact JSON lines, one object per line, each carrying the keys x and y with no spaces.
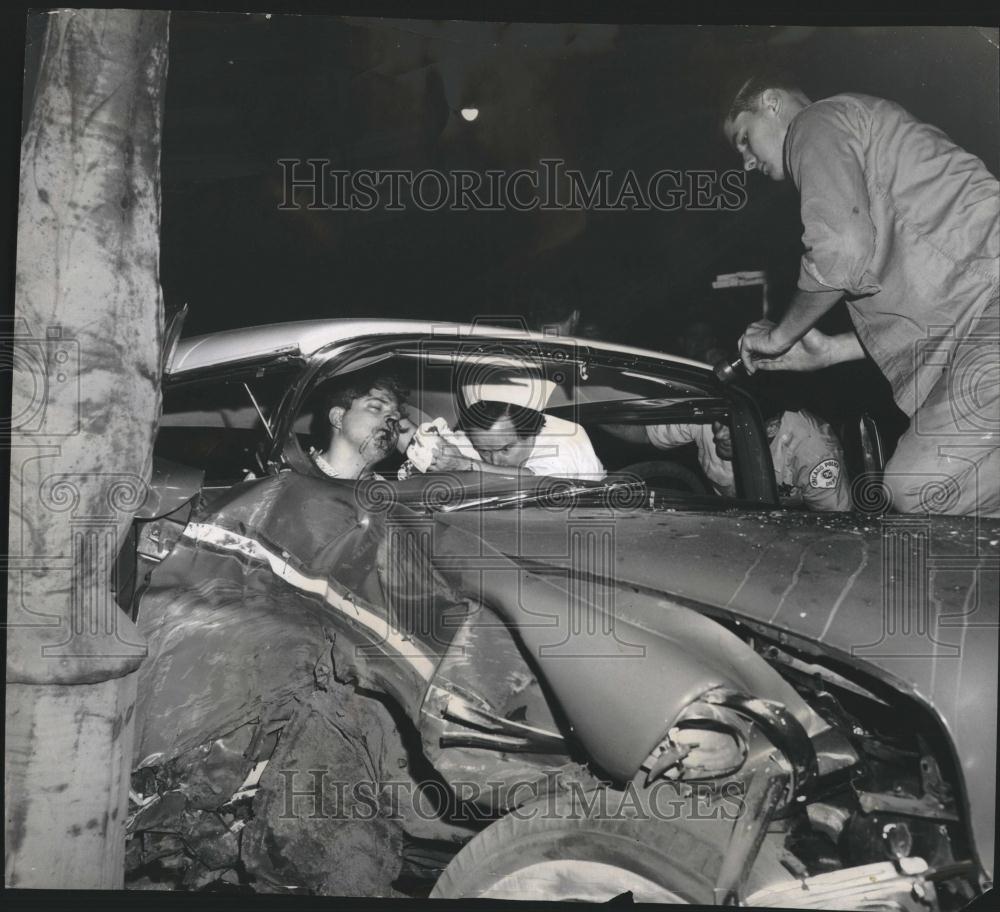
{"x":242,"y":613}
{"x":910,"y":600}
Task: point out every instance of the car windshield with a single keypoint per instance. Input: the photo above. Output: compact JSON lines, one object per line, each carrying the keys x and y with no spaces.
{"x":607,"y":427}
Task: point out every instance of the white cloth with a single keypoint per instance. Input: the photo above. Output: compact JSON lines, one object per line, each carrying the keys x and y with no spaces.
{"x":427,"y":438}
{"x":563,"y":449}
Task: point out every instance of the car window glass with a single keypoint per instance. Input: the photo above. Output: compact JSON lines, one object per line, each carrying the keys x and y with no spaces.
{"x":590,"y":395}
{"x":216,"y":426}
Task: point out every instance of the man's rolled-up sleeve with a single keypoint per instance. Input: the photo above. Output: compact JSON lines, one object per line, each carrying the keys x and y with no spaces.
{"x":825,"y":158}
{"x":668,"y":436}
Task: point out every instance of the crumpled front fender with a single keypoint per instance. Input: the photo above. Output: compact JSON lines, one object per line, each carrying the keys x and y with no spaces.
{"x":623,"y":664}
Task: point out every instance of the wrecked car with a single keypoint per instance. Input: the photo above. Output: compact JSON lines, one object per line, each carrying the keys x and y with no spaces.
{"x":470,"y":685}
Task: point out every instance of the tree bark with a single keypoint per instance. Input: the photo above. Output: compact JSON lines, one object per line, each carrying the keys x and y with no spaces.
{"x":86,"y":364}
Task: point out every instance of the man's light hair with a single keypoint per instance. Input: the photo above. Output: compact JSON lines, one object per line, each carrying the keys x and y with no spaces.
{"x":752,"y":85}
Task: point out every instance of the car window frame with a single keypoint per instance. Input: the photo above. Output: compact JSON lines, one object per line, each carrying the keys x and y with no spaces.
{"x":755,"y":470}
{"x":243,"y":371}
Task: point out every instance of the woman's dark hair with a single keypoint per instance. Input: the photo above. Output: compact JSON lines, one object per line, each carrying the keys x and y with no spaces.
{"x":483,"y":415}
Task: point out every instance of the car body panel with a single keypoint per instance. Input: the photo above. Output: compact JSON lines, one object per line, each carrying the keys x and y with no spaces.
{"x":776,"y":569}
{"x":398,"y":587}
{"x":171,"y":486}
{"x":296,"y":561}
{"x":304,"y":544}
{"x":306,"y":337}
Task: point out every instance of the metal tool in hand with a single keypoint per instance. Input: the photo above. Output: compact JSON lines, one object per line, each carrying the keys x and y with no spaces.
{"x":727,"y":372}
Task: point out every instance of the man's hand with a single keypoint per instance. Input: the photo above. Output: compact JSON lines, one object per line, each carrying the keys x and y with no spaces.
{"x":762,"y":340}
{"x":810,"y":353}
{"x":448,"y":458}
{"x":406,"y":429}
{"x":815,"y":351}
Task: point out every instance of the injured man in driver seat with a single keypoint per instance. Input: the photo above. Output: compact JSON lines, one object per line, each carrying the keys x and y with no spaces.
{"x":366,"y":421}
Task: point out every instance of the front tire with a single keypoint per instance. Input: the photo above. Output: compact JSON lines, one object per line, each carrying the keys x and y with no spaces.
{"x":534,"y":854}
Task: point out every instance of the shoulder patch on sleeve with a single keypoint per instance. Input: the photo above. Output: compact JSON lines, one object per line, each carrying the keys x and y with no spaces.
{"x":825,"y":475}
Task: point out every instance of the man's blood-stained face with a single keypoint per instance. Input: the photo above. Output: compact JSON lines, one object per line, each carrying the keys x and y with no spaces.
{"x":371,"y":423}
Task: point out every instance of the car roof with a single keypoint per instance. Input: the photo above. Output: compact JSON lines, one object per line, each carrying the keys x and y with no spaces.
{"x":308,"y":336}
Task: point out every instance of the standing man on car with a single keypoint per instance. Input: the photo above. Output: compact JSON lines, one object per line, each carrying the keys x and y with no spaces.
{"x":905,"y":225}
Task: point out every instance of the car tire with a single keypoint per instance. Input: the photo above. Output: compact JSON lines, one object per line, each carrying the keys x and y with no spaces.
{"x":591,"y":858}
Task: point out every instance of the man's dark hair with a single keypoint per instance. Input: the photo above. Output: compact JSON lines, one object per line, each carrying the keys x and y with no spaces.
{"x":342,"y":391}
{"x":742,"y":93}
{"x":353,"y":386}
{"x":481,"y":416}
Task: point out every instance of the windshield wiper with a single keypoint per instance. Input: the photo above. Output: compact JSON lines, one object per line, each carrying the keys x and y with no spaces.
{"x":468,"y":504}
{"x":527,"y":497}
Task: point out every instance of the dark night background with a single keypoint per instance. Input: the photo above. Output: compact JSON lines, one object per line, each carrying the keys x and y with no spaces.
{"x":247,"y":89}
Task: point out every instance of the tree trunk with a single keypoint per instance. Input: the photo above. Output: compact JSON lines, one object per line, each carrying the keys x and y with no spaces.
{"x":86,"y":358}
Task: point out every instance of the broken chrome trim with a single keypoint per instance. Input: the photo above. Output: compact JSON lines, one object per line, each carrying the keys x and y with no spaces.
{"x":908,"y":806}
{"x":669,"y":754}
{"x":780,"y":727}
{"x":489,"y":742}
{"x":225,"y":541}
{"x":763,"y":797}
{"x":505,"y":734}
{"x":899,"y":885}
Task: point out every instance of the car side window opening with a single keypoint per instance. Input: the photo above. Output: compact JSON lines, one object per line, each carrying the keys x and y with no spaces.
{"x":223,"y":425}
